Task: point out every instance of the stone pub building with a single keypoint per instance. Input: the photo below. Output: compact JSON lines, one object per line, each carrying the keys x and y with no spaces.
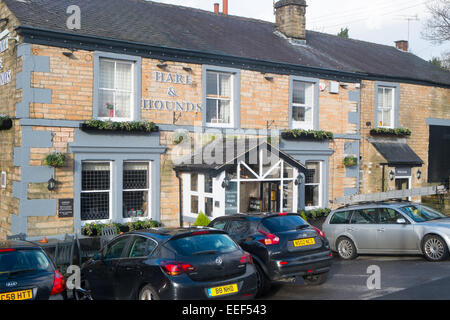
{"x":137,"y":99}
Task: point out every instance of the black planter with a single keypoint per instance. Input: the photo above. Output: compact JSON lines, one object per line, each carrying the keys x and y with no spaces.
{"x":5,"y":123}
{"x":92,"y":130}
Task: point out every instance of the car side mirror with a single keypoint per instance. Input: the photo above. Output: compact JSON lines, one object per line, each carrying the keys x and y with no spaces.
{"x":97,"y":256}
{"x":401,"y":221}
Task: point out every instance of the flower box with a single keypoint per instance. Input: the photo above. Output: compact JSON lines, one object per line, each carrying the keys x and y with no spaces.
{"x":299,"y":134}
{"x":132,"y":127}
{"x":398,"y":132}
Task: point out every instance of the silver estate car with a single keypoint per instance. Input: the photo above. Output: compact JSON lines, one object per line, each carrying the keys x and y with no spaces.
{"x":388,"y":228}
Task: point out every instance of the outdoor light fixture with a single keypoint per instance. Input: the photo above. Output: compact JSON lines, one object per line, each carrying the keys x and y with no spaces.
{"x":51,"y":184}
{"x":391,"y":175}
{"x":69,"y":54}
{"x":188,"y":69}
{"x":226,"y":182}
{"x":162,"y":65}
{"x":419,"y":174}
{"x":298,"y":180}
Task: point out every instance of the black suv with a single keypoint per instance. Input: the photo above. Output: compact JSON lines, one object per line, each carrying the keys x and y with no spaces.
{"x":283,"y":246}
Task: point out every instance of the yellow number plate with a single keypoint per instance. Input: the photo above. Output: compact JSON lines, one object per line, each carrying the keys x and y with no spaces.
{"x":17,"y":295}
{"x":304,"y":242}
{"x":219,"y":291}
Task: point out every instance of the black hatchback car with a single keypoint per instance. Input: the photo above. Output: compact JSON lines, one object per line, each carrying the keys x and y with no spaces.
{"x":183,"y":263}
{"x":26,"y":273}
{"x":283,"y":246}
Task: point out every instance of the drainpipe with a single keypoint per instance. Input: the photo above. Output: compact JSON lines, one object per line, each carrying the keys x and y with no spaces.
{"x":180,"y":197}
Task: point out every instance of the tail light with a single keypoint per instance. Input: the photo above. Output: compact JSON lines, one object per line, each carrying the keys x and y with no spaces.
{"x":246,"y":258}
{"x":59,"y":283}
{"x":7,"y":250}
{"x":175,"y":268}
{"x":283,"y":214}
{"x":320,"y":232}
{"x":270,"y":239}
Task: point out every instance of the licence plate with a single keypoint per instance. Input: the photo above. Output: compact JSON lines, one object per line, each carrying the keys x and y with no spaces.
{"x":220,"y":291}
{"x":17,"y":295}
{"x":304,"y":242}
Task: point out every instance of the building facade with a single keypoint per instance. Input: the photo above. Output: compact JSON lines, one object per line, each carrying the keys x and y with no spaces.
{"x":56,"y":84}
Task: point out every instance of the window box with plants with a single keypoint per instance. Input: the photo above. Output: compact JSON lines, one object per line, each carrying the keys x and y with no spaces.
{"x":5,"y":123}
{"x":397,"y":132}
{"x":137,"y":127}
{"x":94,"y":229}
{"x":315,"y":217}
{"x":300,"y":134}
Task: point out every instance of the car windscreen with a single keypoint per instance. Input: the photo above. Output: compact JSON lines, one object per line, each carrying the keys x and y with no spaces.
{"x":283,"y":223}
{"x":22,"y":260}
{"x":420,"y":213}
{"x":203,"y":244}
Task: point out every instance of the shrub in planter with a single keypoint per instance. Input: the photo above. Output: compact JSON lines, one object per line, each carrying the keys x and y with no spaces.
{"x":298,"y":134}
{"x":112,"y":126}
{"x":350,"y":161}
{"x":398,"y":132}
{"x":55,"y":159}
{"x":5,"y":123}
{"x":95,"y":228}
{"x":202,"y":220}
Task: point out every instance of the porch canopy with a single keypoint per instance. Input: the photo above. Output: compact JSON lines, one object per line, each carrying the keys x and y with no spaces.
{"x":246,"y":175}
{"x":398,"y":154}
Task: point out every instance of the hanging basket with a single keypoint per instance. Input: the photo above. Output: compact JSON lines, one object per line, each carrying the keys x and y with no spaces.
{"x":5,"y":123}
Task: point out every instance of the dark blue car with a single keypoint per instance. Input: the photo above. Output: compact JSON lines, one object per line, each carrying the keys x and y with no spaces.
{"x":26,"y":273}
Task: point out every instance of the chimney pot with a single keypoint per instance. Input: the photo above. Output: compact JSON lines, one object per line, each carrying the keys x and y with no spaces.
{"x":216,"y":8}
{"x":290,"y":18}
{"x":402,"y":45}
{"x":225,"y":7}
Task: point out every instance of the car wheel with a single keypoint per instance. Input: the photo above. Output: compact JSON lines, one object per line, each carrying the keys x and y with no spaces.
{"x":263,"y":282}
{"x":148,"y":293}
{"x":434,"y":248}
{"x":316,"y":279}
{"x":346,"y":248}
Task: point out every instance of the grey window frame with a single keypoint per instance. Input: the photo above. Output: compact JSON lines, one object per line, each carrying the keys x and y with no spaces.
{"x":395,"y":111}
{"x":137,"y":80}
{"x":316,"y":97}
{"x":235,"y":99}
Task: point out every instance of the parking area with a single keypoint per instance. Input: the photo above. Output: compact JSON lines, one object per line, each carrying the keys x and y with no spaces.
{"x":406,"y":277}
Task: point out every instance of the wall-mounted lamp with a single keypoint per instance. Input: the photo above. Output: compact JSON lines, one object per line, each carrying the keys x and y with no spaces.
{"x":298,"y":180}
{"x":51,"y":184}
{"x":226,"y":182}
{"x":69,"y":54}
{"x":187,"y":69}
{"x":391,"y":175}
{"x":162,"y":65}
{"x":419,"y":174}
{"x":268,"y":78}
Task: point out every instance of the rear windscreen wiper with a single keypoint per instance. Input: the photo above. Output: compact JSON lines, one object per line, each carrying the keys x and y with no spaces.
{"x":302,"y":226}
{"x":20,"y":271}
{"x":204,"y":252}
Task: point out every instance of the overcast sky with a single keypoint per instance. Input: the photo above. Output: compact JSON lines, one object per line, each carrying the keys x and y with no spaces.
{"x":379,"y":21}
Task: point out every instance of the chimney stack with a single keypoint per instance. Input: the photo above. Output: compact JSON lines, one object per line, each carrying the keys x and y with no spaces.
{"x":225,"y":7}
{"x":290,"y":18}
{"x":216,"y":8}
{"x":402,"y":45}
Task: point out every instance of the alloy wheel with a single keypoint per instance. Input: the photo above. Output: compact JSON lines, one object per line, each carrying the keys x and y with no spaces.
{"x":147,"y":295}
{"x":434,"y":248}
{"x":345,"y":249}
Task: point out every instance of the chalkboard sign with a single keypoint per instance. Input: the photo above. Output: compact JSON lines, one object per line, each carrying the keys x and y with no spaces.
{"x":65,"y":208}
{"x":231,"y":198}
{"x":254,"y":205}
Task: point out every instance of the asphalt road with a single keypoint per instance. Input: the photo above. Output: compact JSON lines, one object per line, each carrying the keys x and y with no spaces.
{"x":402,"y":278}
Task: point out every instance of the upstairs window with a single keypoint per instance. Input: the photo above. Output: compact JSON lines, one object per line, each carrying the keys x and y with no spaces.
{"x":219,"y":100}
{"x":302,"y":105}
{"x":116,"y":90}
{"x":385,"y":107}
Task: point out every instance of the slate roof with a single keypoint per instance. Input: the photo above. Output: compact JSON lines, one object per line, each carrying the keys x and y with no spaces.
{"x":170,"y":26}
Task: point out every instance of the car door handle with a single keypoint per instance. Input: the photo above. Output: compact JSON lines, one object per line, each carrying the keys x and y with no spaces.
{"x":350,"y":229}
{"x":381,"y":230}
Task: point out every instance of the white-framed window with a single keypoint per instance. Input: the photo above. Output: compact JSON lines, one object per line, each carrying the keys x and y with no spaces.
{"x":385,"y":107}
{"x":219,"y":99}
{"x":116,"y":91}
{"x":302,"y":105}
{"x":136,"y":189}
{"x":313,"y":185}
{"x":3,"y":180}
{"x":198,"y":194}
{"x":96,"y":193}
